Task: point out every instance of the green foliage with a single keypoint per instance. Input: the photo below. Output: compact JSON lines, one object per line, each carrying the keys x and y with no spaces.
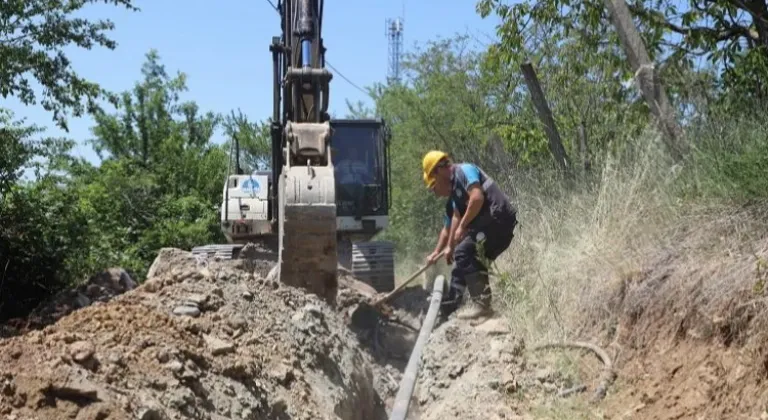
{"x":33,"y":35}
{"x":722,"y":32}
{"x":254,"y":139}
{"x":160,"y":180}
{"x":730,"y":160}
{"x":42,"y":231}
{"x":159,"y":184}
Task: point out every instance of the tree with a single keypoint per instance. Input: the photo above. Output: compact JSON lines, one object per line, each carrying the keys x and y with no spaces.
{"x":160,"y":180}
{"x":33,"y":35}
{"x":730,"y":34}
{"x":254,"y":140}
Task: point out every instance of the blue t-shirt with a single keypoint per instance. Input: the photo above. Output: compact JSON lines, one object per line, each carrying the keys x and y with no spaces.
{"x":495,"y":206}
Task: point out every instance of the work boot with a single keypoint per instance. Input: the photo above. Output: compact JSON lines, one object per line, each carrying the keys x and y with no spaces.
{"x":480,"y":298}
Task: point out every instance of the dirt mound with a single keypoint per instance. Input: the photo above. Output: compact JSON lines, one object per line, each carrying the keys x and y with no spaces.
{"x":99,"y":288}
{"x":199,"y":339}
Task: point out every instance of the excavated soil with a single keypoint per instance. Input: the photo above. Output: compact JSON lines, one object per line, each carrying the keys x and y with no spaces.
{"x":691,"y":338}
{"x":484,"y":372}
{"x":204,"y":339}
{"x":207,"y":339}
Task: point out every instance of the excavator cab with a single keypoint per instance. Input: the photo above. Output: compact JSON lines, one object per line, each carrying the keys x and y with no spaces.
{"x":360,"y":155}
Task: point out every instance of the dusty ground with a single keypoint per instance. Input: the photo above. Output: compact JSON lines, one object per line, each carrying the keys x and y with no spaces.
{"x":202,"y":339}
{"x":196,"y":340}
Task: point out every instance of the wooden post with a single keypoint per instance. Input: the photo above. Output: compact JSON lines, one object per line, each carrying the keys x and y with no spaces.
{"x":646,"y":76}
{"x":545,"y":115}
{"x":583,"y":149}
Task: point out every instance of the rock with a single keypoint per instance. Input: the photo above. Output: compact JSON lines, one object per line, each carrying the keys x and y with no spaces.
{"x":113,"y":281}
{"x":494,"y":326}
{"x":175,"y":366}
{"x":81,"y":351}
{"x":196,"y":300}
{"x":247,"y":295}
{"x":184,"y":310}
{"x":509,"y":383}
{"x":496,"y":348}
{"x":308,"y":318}
{"x":218,"y":346}
{"x":455,"y":371}
{"x":152,"y":414}
{"x":115,"y":359}
{"x":238,"y":321}
{"x":283,"y":374}
{"x":81,"y":300}
{"x":75,"y":388}
{"x":163,"y":356}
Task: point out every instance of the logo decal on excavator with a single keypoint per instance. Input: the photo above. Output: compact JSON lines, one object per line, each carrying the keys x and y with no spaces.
{"x":251,"y":185}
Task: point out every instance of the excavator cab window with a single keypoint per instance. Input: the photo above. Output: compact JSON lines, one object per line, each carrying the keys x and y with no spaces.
{"x":360,"y":163}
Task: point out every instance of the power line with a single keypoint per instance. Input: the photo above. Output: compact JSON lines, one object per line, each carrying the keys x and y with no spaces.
{"x":347,"y":79}
{"x":273,"y":6}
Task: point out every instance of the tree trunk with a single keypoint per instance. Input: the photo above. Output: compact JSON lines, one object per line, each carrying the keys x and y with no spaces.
{"x":583,"y":149}
{"x":545,"y":115}
{"x":646,"y":77}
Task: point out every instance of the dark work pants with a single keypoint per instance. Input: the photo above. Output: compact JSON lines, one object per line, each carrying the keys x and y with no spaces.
{"x":497,"y":238}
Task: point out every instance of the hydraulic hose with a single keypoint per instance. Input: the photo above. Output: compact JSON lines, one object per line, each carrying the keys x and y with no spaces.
{"x":408,"y":383}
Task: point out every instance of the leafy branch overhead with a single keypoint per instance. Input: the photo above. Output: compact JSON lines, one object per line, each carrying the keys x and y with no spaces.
{"x":730,"y":34}
{"x":33,"y":35}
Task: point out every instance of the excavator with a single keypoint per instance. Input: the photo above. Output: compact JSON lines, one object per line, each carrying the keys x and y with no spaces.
{"x":328,"y":191}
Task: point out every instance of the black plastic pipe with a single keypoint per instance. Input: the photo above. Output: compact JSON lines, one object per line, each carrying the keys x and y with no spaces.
{"x":408,"y":382}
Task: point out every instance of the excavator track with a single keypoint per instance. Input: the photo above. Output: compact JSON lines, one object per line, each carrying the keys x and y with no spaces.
{"x":218,"y":251}
{"x":374,"y":263}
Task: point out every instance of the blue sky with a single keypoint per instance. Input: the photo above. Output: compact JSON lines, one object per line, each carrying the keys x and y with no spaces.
{"x":223,"y":49}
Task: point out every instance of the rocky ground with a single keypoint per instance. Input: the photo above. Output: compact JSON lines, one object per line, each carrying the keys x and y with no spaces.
{"x":207,"y":339}
{"x":199,"y":339}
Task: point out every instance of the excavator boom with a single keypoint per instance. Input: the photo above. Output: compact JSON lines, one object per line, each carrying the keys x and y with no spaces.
{"x":303,"y":168}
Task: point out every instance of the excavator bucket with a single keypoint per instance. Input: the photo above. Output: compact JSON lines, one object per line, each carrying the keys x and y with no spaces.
{"x":307,"y":245}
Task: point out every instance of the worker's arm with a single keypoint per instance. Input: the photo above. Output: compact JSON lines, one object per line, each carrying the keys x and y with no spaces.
{"x":452,"y":235}
{"x":476,"y":199}
{"x":444,"y":236}
{"x":442,"y":240}
{"x":455,"y":224}
{"x":469,"y":176}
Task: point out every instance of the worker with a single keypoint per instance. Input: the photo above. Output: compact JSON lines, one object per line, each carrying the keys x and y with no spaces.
{"x":477,"y":212}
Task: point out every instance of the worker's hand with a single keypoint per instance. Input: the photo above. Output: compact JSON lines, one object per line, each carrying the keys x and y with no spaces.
{"x":433,"y":257}
{"x":459,"y":234}
{"x":449,"y":254}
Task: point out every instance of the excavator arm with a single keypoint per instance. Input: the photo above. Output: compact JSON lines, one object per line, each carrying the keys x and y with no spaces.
{"x":305,"y":197}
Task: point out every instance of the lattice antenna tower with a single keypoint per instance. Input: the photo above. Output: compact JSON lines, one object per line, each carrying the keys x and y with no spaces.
{"x":394,"y":32}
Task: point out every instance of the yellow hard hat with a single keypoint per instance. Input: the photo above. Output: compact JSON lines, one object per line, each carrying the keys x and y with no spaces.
{"x":428,"y":165}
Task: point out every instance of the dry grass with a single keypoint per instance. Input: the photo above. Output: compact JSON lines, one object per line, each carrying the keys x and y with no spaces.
{"x":575,"y":253}
{"x":631,"y":266}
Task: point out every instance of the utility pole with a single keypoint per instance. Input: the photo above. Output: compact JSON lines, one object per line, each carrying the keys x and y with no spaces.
{"x":545,"y":115}
{"x":646,"y":76}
